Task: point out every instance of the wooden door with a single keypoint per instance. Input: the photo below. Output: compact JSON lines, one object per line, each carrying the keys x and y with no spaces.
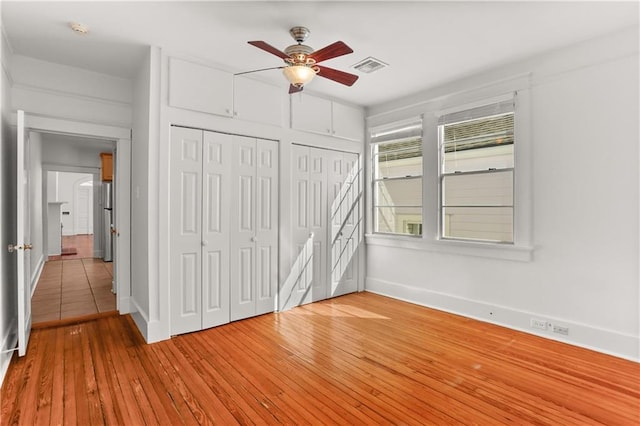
{"x":215,"y":228}
{"x":186,"y":230}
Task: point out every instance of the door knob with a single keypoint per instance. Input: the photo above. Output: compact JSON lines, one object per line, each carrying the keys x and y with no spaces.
{"x":204,"y":243}
{"x":12,"y":247}
{"x":254,"y":239}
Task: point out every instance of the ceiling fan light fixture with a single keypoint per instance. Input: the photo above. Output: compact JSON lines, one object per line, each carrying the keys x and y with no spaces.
{"x":299,"y":75}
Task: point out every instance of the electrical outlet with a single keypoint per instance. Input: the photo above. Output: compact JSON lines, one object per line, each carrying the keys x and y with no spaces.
{"x":561,"y":330}
{"x":538,"y":323}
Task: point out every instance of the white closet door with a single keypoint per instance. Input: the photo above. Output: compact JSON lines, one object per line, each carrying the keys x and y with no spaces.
{"x":309,"y":214}
{"x":243,"y":230}
{"x":344,"y":264}
{"x":216,"y":166}
{"x":266,"y":214}
{"x":309,"y":202}
{"x":318,"y":222}
{"x":185,"y":235}
{"x":300,"y":227}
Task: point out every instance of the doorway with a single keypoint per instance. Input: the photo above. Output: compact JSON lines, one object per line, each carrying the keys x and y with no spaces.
{"x":75,"y":280}
{"x":32,"y":200}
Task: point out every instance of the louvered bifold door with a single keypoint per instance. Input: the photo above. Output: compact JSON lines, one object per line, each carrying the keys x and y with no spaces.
{"x":185,"y":234}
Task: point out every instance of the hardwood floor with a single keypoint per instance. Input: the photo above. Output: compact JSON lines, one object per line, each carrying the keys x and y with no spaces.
{"x":357,"y":359}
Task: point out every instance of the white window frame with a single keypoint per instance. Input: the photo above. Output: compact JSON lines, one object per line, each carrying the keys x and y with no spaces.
{"x":522,"y":248}
{"x":390,"y":133}
{"x":503,"y":105}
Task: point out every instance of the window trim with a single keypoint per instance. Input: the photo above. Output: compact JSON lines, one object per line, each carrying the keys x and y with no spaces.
{"x":488,"y":105}
{"x":523,"y":248}
{"x":380,"y":135}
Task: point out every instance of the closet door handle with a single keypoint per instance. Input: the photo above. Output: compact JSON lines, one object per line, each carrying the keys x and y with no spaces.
{"x":254,"y":239}
{"x":204,"y":243}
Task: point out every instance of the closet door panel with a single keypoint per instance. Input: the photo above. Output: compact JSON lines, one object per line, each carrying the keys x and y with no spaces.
{"x":186,"y":251}
{"x":266,"y":236}
{"x":300,"y":225}
{"x":242,"y":234}
{"x":344,"y":261}
{"x":318,"y":172}
{"x":216,"y":166}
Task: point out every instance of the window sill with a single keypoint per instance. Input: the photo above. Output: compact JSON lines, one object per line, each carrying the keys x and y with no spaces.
{"x":465,"y":248}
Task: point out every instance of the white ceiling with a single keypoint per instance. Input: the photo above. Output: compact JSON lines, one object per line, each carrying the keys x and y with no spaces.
{"x":426,"y":43}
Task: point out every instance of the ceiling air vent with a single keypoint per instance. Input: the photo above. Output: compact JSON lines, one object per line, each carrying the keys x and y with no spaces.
{"x":369,"y":65}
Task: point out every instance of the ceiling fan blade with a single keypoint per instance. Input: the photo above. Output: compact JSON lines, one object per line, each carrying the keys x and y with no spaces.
{"x":337,"y":75}
{"x":294,"y":89}
{"x":269,"y":48}
{"x":334,"y":50}
{"x":260,"y":70}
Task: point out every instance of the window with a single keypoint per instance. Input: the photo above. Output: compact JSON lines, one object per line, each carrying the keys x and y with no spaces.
{"x":477,"y":173}
{"x":397,"y":178}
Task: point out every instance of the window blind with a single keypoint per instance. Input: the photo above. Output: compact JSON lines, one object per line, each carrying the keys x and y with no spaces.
{"x":496,"y":108}
{"x":398,"y":131}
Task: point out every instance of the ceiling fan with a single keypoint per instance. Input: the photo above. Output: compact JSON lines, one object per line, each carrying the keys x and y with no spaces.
{"x":302,"y":61}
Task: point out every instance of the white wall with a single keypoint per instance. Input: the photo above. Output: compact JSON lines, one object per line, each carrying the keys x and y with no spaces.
{"x":57,"y":150}
{"x":583,"y":198}
{"x":55,"y":90}
{"x":140,"y":190}
{"x":8,"y":265}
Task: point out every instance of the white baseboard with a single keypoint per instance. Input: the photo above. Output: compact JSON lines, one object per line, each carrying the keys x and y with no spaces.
{"x":9,"y":342}
{"x":150,"y":330}
{"x":610,"y":342}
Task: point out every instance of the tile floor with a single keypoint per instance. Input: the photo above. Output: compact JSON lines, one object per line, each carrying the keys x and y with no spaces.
{"x":71,"y":288}
{"x":83,"y":244}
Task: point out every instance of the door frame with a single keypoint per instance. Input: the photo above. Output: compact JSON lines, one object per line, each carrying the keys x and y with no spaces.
{"x":122,"y":138}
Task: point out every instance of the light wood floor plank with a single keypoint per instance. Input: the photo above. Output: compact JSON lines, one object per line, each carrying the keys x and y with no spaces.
{"x":357,"y":359}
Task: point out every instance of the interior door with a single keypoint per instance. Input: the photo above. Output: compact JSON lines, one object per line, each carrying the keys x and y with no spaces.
{"x":186,"y":235}
{"x":84,"y":211}
{"x":23,"y":237}
{"x":243,"y":231}
{"x":266,"y":225}
{"x":344,"y":264}
{"x":309,"y":216}
{"x":215,"y":228}
{"x":254,"y":227}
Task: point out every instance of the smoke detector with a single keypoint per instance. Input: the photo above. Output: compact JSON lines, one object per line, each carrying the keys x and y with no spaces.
{"x":79,"y":28}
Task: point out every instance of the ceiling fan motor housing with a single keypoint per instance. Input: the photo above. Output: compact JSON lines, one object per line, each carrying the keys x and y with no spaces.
{"x":299,"y":53}
{"x":299,"y":34}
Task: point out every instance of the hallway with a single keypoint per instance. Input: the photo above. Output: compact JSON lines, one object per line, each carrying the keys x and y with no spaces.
{"x":74,"y":285}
